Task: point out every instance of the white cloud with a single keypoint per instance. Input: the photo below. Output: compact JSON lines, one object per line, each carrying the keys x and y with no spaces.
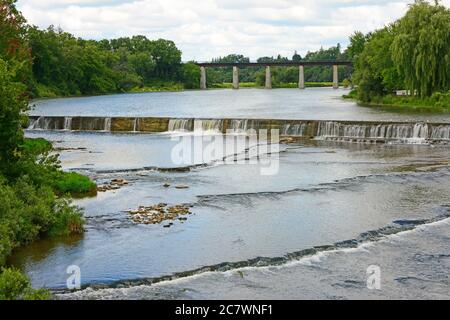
{"x":203,"y":29}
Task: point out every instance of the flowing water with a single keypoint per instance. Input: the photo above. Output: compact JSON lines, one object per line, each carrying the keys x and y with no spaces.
{"x":337,"y":204}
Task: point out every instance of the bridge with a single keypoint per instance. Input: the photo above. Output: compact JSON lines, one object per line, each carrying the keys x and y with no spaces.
{"x":300,"y":64}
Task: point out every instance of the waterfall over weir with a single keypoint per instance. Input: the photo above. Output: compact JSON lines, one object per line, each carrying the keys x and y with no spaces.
{"x":413,"y":133}
{"x":351,"y":131}
{"x":70,"y":123}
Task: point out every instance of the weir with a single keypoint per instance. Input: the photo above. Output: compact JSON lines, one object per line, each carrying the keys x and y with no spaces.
{"x":354,"y":131}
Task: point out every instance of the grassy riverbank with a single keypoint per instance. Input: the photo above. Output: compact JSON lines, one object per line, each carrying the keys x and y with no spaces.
{"x":44,"y":92}
{"x":438,"y":102}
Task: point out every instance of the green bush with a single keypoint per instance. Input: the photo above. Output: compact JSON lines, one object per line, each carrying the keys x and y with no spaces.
{"x":74,"y":184}
{"x":28,"y":212}
{"x":14,"y":285}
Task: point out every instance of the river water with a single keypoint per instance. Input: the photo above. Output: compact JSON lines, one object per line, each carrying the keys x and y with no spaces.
{"x":310,"y":229}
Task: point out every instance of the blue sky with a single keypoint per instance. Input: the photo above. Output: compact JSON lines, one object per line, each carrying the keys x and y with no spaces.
{"x":203,"y":29}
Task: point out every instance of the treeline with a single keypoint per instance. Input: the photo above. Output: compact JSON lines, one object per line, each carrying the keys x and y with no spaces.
{"x":65,"y":65}
{"x":281,"y":76}
{"x":410,"y":54}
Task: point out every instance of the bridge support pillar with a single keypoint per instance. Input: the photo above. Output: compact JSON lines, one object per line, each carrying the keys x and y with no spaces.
{"x":202,"y":78}
{"x":335,"y":77}
{"x":235,"y":77}
{"x":268,"y":78}
{"x":301,"y":77}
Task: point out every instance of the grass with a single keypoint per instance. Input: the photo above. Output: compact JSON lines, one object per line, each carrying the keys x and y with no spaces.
{"x":159,"y":86}
{"x":438,"y":102}
{"x":74,"y":184}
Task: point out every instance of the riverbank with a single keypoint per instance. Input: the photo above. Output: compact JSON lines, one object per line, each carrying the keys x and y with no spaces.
{"x":438,"y":102}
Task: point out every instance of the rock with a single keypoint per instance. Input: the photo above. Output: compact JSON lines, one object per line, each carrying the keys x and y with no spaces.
{"x":158,"y":213}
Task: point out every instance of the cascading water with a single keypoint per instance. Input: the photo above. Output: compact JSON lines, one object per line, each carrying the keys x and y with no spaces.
{"x":208,"y":126}
{"x":412,"y":133}
{"x":68,"y":123}
{"x":408,"y":133}
{"x":440,"y":133}
{"x":298,"y":129}
{"x":244,"y":125}
{"x":238,"y":126}
{"x":180,"y":125}
{"x":107,"y":126}
{"x":136,"y":125}
{"x":35,"y":123}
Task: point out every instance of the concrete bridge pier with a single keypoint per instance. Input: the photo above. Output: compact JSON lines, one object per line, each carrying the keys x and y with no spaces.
{"x":268,"y":78}
{"x":335,"y":77}
{"x":301,"y":77}
{"x":202,"y":78}
{"x":235,"y":77}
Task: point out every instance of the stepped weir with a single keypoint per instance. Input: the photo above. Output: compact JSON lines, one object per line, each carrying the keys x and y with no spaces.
{"x":353,"y":131}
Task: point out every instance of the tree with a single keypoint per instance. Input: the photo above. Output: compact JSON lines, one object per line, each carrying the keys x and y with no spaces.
{"x":421,"y":48}
{"x":191,"y":75}
{"x":13,"y":41}
{"x":375,"y":72}
{"x":296,"y":57}
{"x":13,"y":103}
{"x":356,"y":46}
{"x":167,"y":58}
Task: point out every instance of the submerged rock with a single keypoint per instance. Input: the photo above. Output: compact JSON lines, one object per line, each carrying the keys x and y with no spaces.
{"x":159,"y":213}
{"x":115,"y":184}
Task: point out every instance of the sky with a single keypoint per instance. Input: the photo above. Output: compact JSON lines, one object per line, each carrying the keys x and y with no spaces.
{"x":204,"y":29}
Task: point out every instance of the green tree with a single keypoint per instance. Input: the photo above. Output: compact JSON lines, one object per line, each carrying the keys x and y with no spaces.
{"x":421,"y":48}
{"x":356,"y":46}
{"x":191,"y":76}
{"x":13,"y":104}
{"x":375,"y":72}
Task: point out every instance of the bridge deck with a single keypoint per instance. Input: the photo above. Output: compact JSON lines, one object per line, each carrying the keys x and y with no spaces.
{"x":275,"y":64}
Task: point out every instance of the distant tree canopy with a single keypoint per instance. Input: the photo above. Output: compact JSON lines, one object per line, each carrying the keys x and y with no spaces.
{"x":413,"y":53}
{"x":69,"y":66}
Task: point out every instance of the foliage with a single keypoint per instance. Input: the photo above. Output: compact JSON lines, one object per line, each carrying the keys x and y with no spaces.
{"x":191,"y":76}
{"x":438,"y":101}
{"x":413,"y":53}
{"x":13,"y":41}
{"x":14,"y":285}
{"x":375,"y":73}
{"x":74,"y":184}
{"x":29,"y":174}
{"x":28,"y":212}
{"x":12,"y":105}
{"x":281,"y":76}
{"x":64,"y":65}
{"x":421,"y":48}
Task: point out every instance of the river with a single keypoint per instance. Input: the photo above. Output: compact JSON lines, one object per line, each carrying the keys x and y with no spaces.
{"x":311,"y":229}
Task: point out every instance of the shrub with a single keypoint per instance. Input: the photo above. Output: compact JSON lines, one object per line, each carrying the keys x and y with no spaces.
{"x":28,"y":212}
{"x":14,"y":285}
{"x":74,"y":184}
